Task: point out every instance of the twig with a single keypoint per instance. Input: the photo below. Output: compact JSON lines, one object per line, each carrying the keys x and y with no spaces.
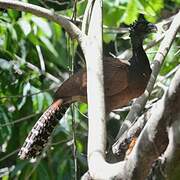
{"x":171,"y":157}
{"x":81,"y":112}
{"x":19,"y":120}
{"x":50,"y":76}
{"x":60,"y":142}
{"x":121,"y":146}
{"x":57,"y":2}
{"x":41,"y":59}
{"x":27,"y":95}
{"x":123,"y":109}
{"x":86,"y":16}
{"x":169,"y":74}
{"x":8,"y":155}
{"x":36,"y":69}
{"x":112,"y":30}
{"x":74,"y":140}
{"x":98,"y":167}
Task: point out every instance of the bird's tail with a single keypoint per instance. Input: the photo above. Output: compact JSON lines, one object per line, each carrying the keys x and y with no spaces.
{"x":40,"y":133}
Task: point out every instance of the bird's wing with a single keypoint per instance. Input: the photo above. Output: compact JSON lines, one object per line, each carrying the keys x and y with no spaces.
{"x":115,"y":75}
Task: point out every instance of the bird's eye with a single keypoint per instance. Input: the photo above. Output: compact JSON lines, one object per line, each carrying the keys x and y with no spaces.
{"x":142,"y":27}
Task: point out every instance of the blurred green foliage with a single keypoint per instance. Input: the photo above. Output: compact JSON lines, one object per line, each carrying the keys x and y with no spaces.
{"x":26,"y":90}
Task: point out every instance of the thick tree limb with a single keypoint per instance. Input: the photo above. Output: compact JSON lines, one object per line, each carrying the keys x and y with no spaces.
{"x":72,"y":29}
{"x":140,"y":102}
{"x":167,"y":166}
{"x":95,"y":81}
{"x":172,"y":153}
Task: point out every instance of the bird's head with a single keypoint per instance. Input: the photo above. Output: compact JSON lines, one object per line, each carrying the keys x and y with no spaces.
{"x":141,"y":28}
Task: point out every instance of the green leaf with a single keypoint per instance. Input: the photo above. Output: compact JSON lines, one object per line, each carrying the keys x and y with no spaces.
{"x":12,"y":31}
{"x":43,"y":25}
{"x":131,"y":12}
{"x":4,"y":64}
{"x":25,"y":26}
{"x":57,"y":32}
{"x":107,"y":38}
{"x":26,"y":89}
{"x":42,"y":172}
{"x":176,"y":1}
{"x":48,"y":98}
{"x":151,"y":7}
{"x":115,"y":12}
{"x":34,"y":39}
{"x":49,"y":45}
{"x":81,"y":8}
{"x":156,"y":5}
{"x":5,"y":131}
{"x":13,"y":14}
{"x":40,"y":100}
{"x":6,"y":177}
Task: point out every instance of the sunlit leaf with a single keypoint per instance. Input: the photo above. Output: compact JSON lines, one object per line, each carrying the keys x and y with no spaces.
{"x":13,"y":14}
{"x":131,"y":12}
{"x":49,"y":45}
{"x":25,"y":26}
{"x":43,"y":25}
{"x":26,"y":89}
{"x":34,"y":39}
{"x":4,"y":64}
{"x":12,"y":31}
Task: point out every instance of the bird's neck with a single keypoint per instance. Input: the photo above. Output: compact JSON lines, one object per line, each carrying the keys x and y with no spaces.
{"x":139,"y":59}
{"x":136,"y":41}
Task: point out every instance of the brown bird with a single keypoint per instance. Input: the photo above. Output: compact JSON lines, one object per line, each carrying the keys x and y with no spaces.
{"x":123,"y":81}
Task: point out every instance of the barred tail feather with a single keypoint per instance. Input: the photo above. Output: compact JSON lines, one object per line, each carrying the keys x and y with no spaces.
{"x":40,"y":133}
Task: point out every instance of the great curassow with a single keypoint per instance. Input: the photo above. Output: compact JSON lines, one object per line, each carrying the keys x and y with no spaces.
{"x":123,"y":81}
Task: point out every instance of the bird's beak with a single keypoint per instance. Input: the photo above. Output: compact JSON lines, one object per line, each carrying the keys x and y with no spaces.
{"x":152,"y":27}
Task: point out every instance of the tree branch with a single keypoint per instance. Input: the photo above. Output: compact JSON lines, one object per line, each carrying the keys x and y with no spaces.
{"x":166,"y":167}
{"x":171,"y":156}
{"x":95,"y":80}
{"x":72,"y":29}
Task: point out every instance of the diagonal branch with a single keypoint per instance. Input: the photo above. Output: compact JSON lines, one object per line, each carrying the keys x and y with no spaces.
{"x":71,"y":28}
